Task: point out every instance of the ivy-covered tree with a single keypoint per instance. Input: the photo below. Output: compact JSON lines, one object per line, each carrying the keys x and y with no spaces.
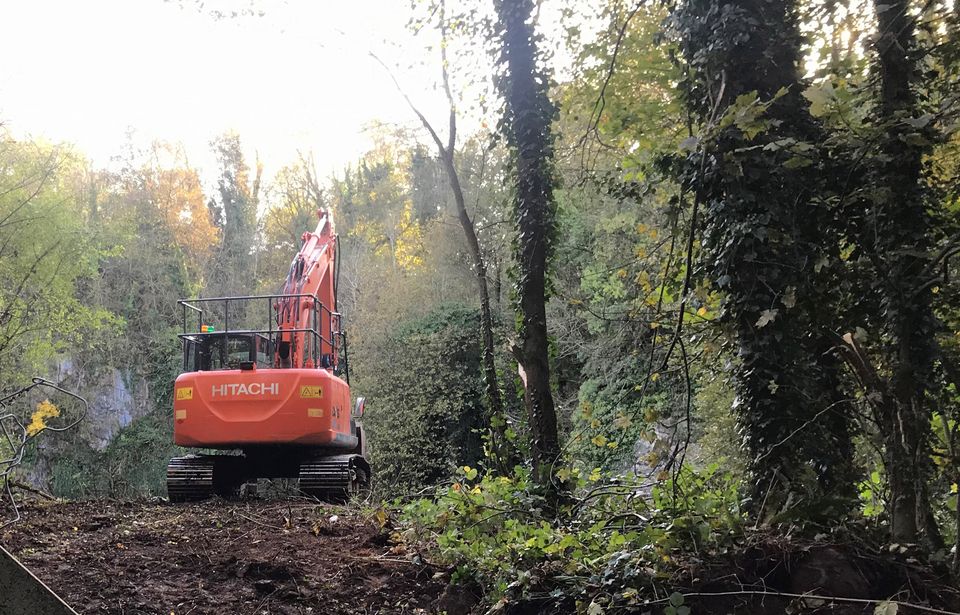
{"x":528,"y":115}
{"x":890,"y":214}
{"x":767,"y":243}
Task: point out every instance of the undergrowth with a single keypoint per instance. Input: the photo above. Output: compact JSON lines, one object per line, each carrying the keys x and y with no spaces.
{"x":599,"y":548}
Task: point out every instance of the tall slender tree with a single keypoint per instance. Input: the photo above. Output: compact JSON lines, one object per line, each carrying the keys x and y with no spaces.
{"x":236,"y":214}
{"x":896,"y":235}
{"x":528,"y":115}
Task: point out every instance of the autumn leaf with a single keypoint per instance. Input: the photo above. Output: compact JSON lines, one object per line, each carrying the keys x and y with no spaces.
{"x":38,"y":422}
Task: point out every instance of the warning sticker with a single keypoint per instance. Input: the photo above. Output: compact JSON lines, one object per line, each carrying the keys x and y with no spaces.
{"x":184,"y":393}
{"x":311,"y":391}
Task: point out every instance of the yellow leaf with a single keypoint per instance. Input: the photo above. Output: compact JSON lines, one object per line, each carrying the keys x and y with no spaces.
{"x":599,"y":440}
{"x":702,"y":312}
{"x":595,"y":475}
{"x":38,"y":422}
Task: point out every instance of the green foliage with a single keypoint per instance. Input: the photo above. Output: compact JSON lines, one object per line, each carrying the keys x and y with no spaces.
{"x":44,"y":257}
{"x":235,"y":213}
{"x":500,"y":531}
{"x":425,"y":396}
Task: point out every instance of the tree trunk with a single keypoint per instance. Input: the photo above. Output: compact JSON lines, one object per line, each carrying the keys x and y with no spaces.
{"x":903,"y":232}
{"x":766,"y":239}
{"x":528,"y":120}
{"x":495,"y":419}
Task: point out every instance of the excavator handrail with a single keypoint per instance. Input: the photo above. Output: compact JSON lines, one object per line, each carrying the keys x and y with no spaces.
{"x":240,"y":297}
{"x":326,"y":329}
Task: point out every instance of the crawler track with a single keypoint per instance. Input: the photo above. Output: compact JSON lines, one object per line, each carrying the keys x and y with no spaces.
{"x":335,"y":477}
{"x":331,"y":478}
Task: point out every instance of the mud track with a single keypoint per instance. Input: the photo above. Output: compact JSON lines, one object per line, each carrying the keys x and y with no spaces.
{"x":220,"y":557}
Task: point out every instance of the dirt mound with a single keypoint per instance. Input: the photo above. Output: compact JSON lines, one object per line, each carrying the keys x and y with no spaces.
{"x":219,"y":557}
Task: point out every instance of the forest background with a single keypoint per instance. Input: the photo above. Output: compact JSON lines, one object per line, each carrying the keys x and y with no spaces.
{"x":752,"y":230}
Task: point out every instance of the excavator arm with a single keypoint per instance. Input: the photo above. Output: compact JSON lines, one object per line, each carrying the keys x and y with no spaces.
{"x":310,"y":302}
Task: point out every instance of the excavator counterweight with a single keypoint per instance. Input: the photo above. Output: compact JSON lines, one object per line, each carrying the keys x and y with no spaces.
{"x":266,"y":380}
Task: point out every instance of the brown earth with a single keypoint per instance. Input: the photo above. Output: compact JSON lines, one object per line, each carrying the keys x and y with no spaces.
{"x":220,"y":557}
{"x":295,"y":557}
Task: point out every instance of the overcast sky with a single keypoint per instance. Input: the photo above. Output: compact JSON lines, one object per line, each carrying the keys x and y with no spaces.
{"x":298,"y":78}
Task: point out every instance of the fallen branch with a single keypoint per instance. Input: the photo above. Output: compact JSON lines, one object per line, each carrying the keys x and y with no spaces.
{"x":25,"y":487}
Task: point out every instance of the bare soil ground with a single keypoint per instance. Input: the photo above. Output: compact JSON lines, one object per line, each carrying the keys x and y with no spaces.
{"x":220,"y":557}
{"x":261,"y":557}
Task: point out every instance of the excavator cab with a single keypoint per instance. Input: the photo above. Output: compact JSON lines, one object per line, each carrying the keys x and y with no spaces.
{"x":206,"y":352}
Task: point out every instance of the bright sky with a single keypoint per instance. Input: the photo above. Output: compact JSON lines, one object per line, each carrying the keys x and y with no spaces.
{"x":297,"y":79}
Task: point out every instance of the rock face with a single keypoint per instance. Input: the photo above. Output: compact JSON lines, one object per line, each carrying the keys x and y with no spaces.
{"x":116,"y":397}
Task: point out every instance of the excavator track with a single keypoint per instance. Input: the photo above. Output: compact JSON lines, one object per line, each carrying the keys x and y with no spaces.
{"x":334,"y":478}
{"x":198,"y":477}
{"x":190,"y":478}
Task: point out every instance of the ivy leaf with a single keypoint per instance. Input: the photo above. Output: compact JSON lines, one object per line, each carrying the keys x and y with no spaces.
{"x":822,"y":262}
{"x":789,"y":298}
{"x":766,"y":317}
{"x":886,"y":608}
{"x":797,"y":162}
{"x":818,"y":96}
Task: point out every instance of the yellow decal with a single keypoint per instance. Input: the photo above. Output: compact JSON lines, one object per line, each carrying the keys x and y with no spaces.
{"x":181,"y":414}
{"x":184,"y":393}
{"x":315,"y":413}
{"x":311,"y":391}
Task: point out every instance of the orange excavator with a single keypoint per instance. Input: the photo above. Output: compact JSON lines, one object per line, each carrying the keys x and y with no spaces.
{"x":266,"y":381}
